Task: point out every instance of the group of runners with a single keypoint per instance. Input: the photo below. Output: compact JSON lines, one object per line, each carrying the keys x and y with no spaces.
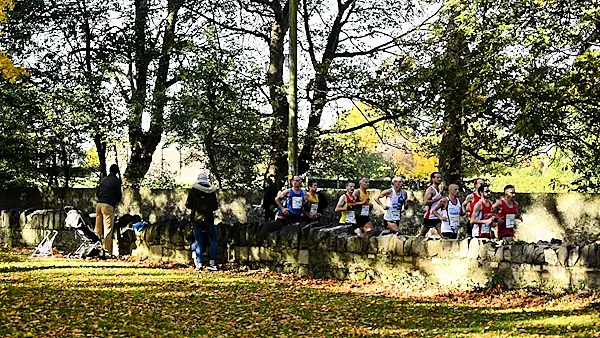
{"x":484,"y":218}
{"x":443,"y":212}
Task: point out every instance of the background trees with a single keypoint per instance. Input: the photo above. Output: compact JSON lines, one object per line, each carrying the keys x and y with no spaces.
{"x":7,"y":68}
{"x":470,"y":87}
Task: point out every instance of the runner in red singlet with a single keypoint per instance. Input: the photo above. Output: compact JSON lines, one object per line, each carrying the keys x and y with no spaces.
{"x":470,"y":202}
{"x":507,"y":210}
{"x":482,"y":214}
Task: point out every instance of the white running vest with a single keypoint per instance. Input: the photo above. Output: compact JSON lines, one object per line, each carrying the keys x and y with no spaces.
{"x":429,"y":214}
{"x":394,"y":204}
{"x":453,"y":217}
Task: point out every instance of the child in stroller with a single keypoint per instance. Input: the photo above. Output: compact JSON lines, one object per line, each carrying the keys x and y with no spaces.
{"x":91,"y":244}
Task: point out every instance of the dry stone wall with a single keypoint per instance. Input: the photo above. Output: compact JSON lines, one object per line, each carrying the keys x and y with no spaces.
{"x":332,"y":251}
{"x":28,"y":228}
{"x":571,"y":216}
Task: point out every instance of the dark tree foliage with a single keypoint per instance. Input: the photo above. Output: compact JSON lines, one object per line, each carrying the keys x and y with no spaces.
{"x":214,"y":115}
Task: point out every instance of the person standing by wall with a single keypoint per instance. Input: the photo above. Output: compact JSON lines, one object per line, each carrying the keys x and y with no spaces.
{"x":363,"y":206}
{"x":269,"y":206}
{"x":482,"y":215}
{"x":345,"y":206}
{"x":311,"y":206}
{"x":109,"y":194}
{"x":295,"y":200}
{"x":323,"y":202}
{"x":202,"y":200}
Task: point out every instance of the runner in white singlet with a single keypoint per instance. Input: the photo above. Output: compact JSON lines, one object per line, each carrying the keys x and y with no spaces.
{"x":431,"y":198}
{"x":396,"y":201}
{"x":449,"y":211}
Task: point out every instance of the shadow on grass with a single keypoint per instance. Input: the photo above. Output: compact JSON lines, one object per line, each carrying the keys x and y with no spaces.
{"x":179,"y":303}
{"x":28,"y":268}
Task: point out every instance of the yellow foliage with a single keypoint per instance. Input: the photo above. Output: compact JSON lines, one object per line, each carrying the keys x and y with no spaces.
{"x":367,"y":135}
{"x":9,"y":70}
{"x":424,"y":166}
{"x":5,"y":5}
{"x":412,"y":164}
{"x":91,"y":158}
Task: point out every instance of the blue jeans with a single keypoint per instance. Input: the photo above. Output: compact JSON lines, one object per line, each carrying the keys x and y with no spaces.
{"x":197,"y":246}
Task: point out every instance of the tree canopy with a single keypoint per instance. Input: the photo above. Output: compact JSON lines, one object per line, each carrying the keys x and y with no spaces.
{"x":471,"y":88}
{"x":7,"y":67}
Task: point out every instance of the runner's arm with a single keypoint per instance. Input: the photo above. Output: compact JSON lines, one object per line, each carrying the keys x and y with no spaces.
{"x":379,"y":195}
{"x":497,"y":206}
{"x":474,"y":220}
{"x":340,"y":206}
{"x":280,"y":197}
{"x":356,"y":195}
{"x":438,"y":207}
{"x":307,"y":213}
{"x":466,"y":205}
{"x":428,"y":198}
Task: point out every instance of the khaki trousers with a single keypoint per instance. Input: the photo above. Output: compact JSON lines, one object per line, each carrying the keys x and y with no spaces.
{"x":104,"y":225}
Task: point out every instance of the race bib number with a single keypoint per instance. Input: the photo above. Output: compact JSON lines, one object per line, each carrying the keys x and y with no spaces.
{"x":510,"y":221}
{"x":396,"y":214}
{"x":485,"y":228}
{"x":350,"y":217}
{"x":314,"y":207}
{"x":296,"y":202}
{"x":364,"y":211}
{"x":454,"y":222}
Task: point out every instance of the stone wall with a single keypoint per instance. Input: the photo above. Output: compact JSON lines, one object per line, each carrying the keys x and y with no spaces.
{"x":323,"y":251}
{"x":331,"y":251}
{"x":28,"y":228}
{"x":572,"y":217}
{"x":152,"y":204}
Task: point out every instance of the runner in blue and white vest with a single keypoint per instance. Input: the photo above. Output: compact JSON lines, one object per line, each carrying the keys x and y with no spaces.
{"x":396,"y":201}
{"x":449,"y":210}
{"x":295,"y":201}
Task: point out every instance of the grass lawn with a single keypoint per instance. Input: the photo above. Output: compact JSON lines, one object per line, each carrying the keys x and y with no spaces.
{"x":59,"y":297}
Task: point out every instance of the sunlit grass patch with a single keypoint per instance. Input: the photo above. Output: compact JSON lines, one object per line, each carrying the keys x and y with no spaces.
{"x":59,"y":297}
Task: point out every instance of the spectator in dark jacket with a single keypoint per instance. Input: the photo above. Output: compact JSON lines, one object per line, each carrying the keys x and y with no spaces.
{"x":202,"y":200}
{"x":109,"y":194}
{"x":268,"y":204}
{"x":323,"y":203}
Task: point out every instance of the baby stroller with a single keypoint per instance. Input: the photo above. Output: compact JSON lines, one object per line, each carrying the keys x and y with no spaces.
{"x":91,"y":245}
{"x":44,"y":249}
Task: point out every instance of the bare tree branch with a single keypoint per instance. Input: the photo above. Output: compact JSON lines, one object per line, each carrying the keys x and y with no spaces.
{"x":311,"y":46}
{"x":259,"y":35}
{"x":371,"y":123}
{"x":385,"y":45}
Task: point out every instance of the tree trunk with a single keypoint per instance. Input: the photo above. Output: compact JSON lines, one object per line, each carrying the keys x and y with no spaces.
{"x":94,"y":86}
{"x":312,"y":131}
{"x":143,"y":144}
{"x":277,"y":94}
{"x":210,"y":142}
{"x":450,"y":149}
{"x":101,"y":147}
{"x":321,"y":84}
